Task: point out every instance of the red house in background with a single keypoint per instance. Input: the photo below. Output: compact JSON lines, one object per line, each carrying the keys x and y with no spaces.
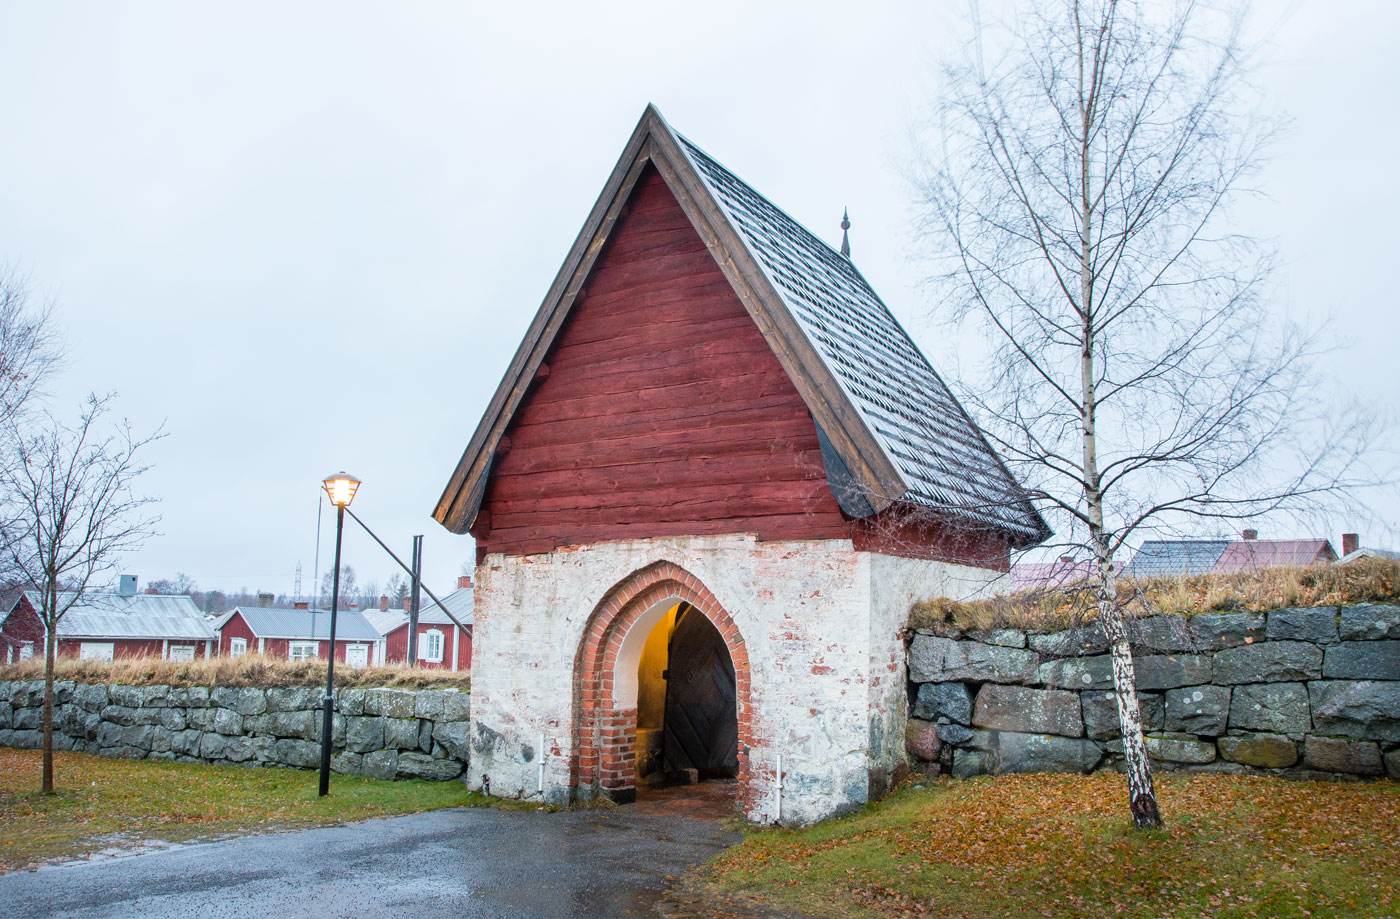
{"x":1251,"y":553}
{"x":442,"y":643}
{"x":298,"y":635}
{"x":107,"y":625}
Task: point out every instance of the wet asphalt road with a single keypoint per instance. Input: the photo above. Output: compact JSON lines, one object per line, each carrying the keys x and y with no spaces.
{"x":471,"y":863}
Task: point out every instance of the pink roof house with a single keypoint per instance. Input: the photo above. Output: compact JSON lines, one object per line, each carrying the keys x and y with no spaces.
{"x":1252,"y":553}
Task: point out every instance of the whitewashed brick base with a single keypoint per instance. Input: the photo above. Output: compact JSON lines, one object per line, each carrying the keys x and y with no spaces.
{"x":819,"y":620}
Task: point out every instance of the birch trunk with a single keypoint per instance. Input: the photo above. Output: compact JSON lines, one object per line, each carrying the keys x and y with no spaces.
{"x":1142,"y":798}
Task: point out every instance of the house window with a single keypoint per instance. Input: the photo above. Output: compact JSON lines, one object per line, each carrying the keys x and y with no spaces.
{"x":26,"y":649}
{"x":181,"y":653}
{"x":95,"y":650}
{"x":302,"y":651}
{"x":430,"y":645}
{"x":237,"y":647}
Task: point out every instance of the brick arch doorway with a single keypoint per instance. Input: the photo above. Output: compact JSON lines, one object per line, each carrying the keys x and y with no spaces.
{"x":606,"y":676}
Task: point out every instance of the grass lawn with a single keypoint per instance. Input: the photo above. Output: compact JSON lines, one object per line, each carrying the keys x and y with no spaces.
{"x":1033,"y":846}
{"x":105,"y":803}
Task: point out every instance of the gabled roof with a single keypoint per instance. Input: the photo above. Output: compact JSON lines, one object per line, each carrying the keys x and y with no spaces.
{"x":459,"y":603}
{"x":1058,"y":573}
{"x":1365,"y":552}
{"x":385,"y":621}
{"x":890,"y":429}
{"x":1248,"y":554}
{"x":113,"y":615}
{"x":1168,"y":557}
{"x":303,"y":624}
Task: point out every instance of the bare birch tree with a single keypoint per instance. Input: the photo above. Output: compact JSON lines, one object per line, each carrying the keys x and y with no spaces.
{"x":69,"y":514}
{"x":29,"y":347}
{"x":1088,"y":156}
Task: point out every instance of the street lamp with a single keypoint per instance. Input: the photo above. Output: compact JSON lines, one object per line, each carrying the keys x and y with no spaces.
{"x":340,"y":487}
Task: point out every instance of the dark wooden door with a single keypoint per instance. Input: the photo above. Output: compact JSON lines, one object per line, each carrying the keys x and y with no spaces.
{"x":702,"y":727}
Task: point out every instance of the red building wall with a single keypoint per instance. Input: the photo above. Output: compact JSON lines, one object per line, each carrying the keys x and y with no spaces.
{"x":23,"y":624}
{"x":278,"y":648}
{"x":236,"y":627}
{"x":125,"y":647}
{"x":454,"y":641}
{"x":664,"y":412}
{"x":396,"y":645}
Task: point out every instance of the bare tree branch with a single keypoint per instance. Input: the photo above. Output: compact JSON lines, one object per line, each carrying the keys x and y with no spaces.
{"x":1089,"y":155}
{"x":68,"y":513}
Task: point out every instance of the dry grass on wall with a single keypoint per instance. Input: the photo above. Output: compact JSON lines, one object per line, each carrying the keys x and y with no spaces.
{"x":247,"y":670}
{"x":1363,"y":581}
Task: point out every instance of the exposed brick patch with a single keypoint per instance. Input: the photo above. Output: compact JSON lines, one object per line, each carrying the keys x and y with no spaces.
{"x":606,"y":737}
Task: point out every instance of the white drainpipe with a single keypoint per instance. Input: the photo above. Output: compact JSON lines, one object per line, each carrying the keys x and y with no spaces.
{"x":541,"y":789}
{"x":780,"y":789}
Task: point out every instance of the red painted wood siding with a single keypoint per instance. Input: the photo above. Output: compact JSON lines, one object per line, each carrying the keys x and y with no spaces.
{"x":278,"y":648}
{"x":664,"y":411}
{"x":123,"y":648}
{"x":23,"y":624}
{"x":396,"y":646}
{"x":236,"y":627}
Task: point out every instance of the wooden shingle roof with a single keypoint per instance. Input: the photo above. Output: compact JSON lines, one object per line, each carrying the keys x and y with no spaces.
{"x":890,"y":429}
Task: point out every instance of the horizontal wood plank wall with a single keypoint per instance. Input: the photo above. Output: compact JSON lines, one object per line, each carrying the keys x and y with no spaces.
{"x":664,"y":411}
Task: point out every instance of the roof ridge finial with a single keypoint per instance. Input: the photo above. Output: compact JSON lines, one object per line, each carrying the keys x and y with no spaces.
{"x":845,"y":237}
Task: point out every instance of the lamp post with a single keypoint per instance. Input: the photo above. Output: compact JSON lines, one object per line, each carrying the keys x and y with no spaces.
{"x":341,"y":488}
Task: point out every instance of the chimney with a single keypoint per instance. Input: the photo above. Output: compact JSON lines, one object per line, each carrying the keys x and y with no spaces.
{"x":1067,"y":559}
{"x":464,"y":581}
{"x":383,"y":603}
{"x":407,"y":602}
{"x":1350,"y":543}
{"x":126,"y":585}
{"x":151,"y":591}
{"x":265,"y":600}
{"x":301,"y":604}
{"x":1250,"y":535}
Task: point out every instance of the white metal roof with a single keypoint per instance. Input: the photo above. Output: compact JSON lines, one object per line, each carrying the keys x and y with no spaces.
{"x":304,"y":624}
{"x":107,"y":614}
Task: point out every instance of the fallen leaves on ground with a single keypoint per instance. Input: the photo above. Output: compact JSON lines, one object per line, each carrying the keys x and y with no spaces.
{"x":1041,"y":845}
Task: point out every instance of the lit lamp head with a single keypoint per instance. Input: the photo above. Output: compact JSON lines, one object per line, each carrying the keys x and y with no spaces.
{"x":341,"y":488}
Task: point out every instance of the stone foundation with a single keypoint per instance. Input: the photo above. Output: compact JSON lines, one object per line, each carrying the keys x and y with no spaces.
{"x":1307,"y":693}
{"x":813,"y":630}
{"x":379,"y":733}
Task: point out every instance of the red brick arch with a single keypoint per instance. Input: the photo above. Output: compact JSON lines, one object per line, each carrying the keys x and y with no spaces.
{"x":606,"y":736}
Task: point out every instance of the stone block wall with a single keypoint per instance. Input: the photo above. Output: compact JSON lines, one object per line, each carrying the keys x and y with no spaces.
{"x":379,"y":733}
{"x":813,"y":641}
{"x":1294,"y":692}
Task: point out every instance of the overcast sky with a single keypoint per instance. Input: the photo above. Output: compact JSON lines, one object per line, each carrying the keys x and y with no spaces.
{"x":308,"y":237}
